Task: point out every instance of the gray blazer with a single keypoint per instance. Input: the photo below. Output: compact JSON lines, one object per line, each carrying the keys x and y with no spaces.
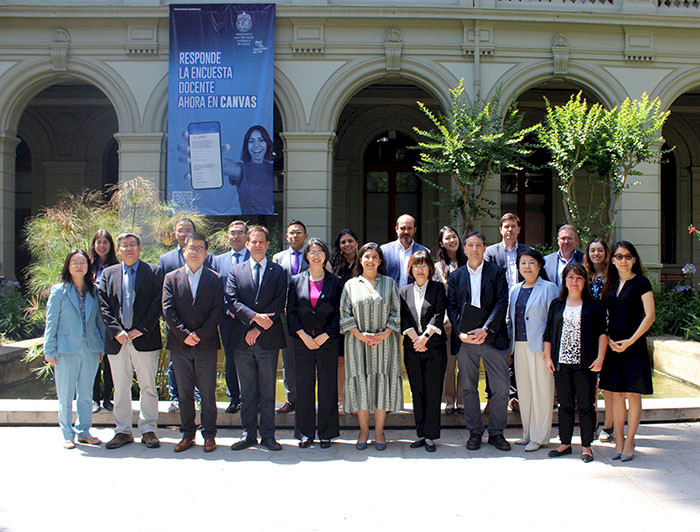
{"x":497,"y":253}
{"x":543,"y":293}
{"x":551,"y":265}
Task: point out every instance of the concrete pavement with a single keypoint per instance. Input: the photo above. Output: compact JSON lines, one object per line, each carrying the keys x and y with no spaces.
{"x":46,"y":488}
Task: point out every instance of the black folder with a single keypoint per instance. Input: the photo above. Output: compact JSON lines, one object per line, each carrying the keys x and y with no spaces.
{"x":472,"y":318}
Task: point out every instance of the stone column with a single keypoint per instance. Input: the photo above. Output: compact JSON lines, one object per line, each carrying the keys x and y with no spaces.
{"x":8,"y":145}
{"x":142,"y":154}
{"x":308,"y":161}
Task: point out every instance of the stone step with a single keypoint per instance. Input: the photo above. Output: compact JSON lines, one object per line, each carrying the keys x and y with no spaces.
{"x":44,"y":412}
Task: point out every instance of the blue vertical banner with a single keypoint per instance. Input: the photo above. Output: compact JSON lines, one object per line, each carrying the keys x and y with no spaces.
{"x":220,"y":108}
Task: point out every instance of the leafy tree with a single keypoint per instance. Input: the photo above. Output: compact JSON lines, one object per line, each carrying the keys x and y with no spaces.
{"x":471,"y":144}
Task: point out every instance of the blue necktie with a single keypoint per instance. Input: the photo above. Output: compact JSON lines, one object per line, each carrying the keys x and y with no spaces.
{"x":257,"y":280}
{"x":237,"y":256}
{"x":128,"y":303}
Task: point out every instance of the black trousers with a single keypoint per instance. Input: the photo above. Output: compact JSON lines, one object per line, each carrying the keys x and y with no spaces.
{"x":104,"y":386}
{"x":196,"y":367}
{"x":309,"y":364}
{"x":426,"y":373}
{"x":576,"y":386}
{"x":257,"y":374}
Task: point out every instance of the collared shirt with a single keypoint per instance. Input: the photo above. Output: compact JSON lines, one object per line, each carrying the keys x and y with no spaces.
{"x":193,"y":278}
{"x":419,"y":299}
{"x":511,"y":264}
{"x":241,"y":256}
{"x":561,"y":264}
{"x":475,"y":281}
{"x":404,"y":256}
{"x":263,"y":265}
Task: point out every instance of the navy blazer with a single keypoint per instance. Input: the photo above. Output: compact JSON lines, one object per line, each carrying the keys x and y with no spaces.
{"x":497,"y":253}
{"x":392,"y":260}
{"x":64,"y":324}
{"x":241,"y":301}
{"x":173,"y":259}
{"x":550,"y":265}
{"x":325,"y":317}
{"x":185,"y":316}
{"x":543,"y":293}
{"x":494,"y":299}
{"x":432,"y":313}
{"x":222,"y":265}
{"x":148,"y":291}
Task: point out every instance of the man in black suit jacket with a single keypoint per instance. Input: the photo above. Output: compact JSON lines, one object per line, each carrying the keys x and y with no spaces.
{"x":129,"y":295}
{"x":256,"y":291}
{"x":477,"y":300}
{"x":193,"y":303}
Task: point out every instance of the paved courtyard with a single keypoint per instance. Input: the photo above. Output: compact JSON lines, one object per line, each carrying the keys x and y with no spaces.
{"x":46,"y":488}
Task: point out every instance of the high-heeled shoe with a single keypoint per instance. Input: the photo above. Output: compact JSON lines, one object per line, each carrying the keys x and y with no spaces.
{"x":626,"y":457}
{"x":616,"y":456}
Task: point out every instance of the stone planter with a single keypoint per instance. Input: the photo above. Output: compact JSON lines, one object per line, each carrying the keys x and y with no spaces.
{"x":13,"y":370}
{"x":676,"y":357}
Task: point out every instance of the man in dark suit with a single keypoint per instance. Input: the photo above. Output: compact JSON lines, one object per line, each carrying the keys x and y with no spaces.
{"x":554,"y":263}
{"x":505,"y":254}
{"x":193,"y":303}
{"x":237,"y":236}
{"x":168,"y":262}
{"x":292,"y":260}
{"x":477,"y":299}
{"x":255,"y":294}
{"x":129,"y":295}
{"x":397,"y":253}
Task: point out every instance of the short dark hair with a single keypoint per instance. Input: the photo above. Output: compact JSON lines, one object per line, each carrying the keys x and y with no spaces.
{"x":475,"y":233}
{"x":199,"y":237}
{"x":296,"y":222}
{"x":316,"y":242}
{"x":529,"y":252}
{"x":579,"y":270}
{"x":421,"y":257}
{"x":256,"y":228}
{"x":357,"y":270}
{"x":237,"y":222}
{"x":508,"y":216}
{"x":122,"y":236}
{"x":65,"y":272}
{"x":194,"y":227}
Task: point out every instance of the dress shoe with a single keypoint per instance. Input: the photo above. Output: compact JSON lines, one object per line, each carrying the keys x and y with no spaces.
{"x":460,"y":410}
{"x":626,"y":457}
{"x":499,"y":442}
{"x":556,"y":453}
{"x":271,"y":444}
{"x":474,"y":442}
{"x":380,"y":446}
{"x":430,"y":446}
{"x":418,"y":443}
{"x":522,"y":441}
{"x":616,"y":456}
{"x":286,"y":408}
{"x":89,"y":439}
{"x":107,"y":405}
{"x":150,"y":439}
{"x":325,"y":444}
{"x":305,"y":443}
{"x":95,"y":407}
{"x":120,"y":438}
{"x":243,"y":443}
{"x":450,"y":410}
{"x":232,"y":408}
{"x":68,"y":444}
{"x":184,"y":444}
{"x":586,"y":458}
{"x":532,"y":446}
{"x":209,"y":444}
{"x":361,"y":445}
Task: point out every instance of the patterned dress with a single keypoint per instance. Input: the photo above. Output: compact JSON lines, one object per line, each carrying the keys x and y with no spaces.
{"x":372,"y":374}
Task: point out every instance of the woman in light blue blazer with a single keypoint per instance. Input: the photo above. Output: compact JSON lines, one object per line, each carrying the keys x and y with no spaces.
{"x":528,"y":305}
{"x":73,"y":343}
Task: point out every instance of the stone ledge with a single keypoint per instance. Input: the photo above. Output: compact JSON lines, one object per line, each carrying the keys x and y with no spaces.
{"x":44,"y":412}
{"x":676,"y":357}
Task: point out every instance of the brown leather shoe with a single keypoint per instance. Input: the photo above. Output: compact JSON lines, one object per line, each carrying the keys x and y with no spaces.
{"x":150,"y":439}
{"x":184,"y":444}
{"x":286,"y":408}
{"x":209,"y":445}
{"x":120,"y":438}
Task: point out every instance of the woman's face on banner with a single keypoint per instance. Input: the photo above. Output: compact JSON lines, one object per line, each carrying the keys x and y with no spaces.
{"x":257,"y":147}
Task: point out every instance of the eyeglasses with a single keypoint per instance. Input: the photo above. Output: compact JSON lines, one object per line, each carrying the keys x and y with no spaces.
{"x":620,"y":256}
{"x":128,"y":246}
{"x":315,"y":253}
{"x":198,"y":249}
{"x":420,"y":267}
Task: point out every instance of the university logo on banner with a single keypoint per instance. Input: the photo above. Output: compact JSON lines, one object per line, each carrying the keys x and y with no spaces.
{"x":220,"y":114}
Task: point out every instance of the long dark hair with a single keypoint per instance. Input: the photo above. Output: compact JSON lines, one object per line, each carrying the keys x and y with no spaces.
{"x":588,"y":263}
{"x":245,"y":155}
{"x":443,"y":258}
{"x":357,"y":271}
{"x":580,"y":270}
{"x":338,"y":260}
{"x":94,"y":258}
{"x":65,"y":273}
{"x":613,"y":275}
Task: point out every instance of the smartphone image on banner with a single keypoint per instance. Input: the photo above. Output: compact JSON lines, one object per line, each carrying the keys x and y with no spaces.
{"x":205,"y":155}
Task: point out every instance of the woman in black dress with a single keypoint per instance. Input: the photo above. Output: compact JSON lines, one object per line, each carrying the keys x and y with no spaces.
{"x":629,"y":300}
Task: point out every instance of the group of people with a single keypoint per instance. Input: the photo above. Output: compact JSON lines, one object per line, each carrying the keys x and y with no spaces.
{"x":343,"y":319}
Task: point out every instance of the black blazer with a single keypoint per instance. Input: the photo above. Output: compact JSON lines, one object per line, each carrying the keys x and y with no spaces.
{"x":432,"y":313}
{"x":314,"y":321}
{"x":242,"y":303}
{"x":147,"y":306}
{"x":494,"y":299}
{"x":200,"y":316}
{"x":592,"y":326}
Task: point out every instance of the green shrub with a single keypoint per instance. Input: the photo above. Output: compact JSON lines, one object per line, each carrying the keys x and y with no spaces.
{"x":677,"y":309}
{"x":20,"y":318}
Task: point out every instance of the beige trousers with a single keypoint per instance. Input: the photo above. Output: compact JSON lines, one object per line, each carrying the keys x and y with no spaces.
{"x":535,"y":394}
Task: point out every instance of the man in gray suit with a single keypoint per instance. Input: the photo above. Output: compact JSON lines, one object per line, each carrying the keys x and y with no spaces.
{"x":554,"y":263}
{"x":292,"y":260}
